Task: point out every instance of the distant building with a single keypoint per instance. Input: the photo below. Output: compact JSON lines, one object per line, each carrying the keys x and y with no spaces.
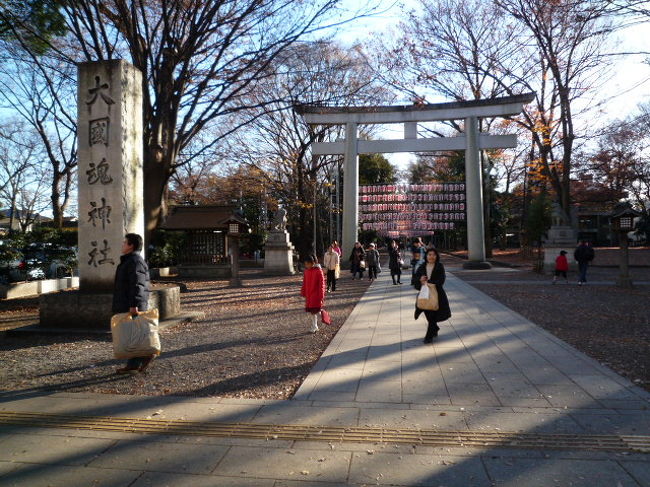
{"x":6,"y":220}
{"x":594,"y":225}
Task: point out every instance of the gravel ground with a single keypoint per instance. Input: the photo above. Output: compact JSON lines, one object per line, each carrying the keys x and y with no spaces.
{"x":606,"y":322}
{"x":254,"y":342}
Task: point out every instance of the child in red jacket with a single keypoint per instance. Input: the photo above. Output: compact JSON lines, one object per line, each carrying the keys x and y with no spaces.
{"x":561,"y":267}
{"x":313,"y":289}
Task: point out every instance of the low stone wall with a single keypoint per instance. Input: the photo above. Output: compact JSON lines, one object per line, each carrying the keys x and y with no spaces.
{"x":608,"y":257}
{"x":73,"y":310}
{"x":34,"y":288}
{"x":604,"y":257}
{"x":204,"y":272}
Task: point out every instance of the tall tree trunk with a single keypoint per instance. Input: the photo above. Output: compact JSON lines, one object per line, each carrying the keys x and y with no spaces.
{"x":12,"y":216}
{"x":156,"y":175}
{"x":55,"y":198}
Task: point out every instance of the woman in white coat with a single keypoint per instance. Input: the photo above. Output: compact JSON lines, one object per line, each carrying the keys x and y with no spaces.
{"x":331,"y":262}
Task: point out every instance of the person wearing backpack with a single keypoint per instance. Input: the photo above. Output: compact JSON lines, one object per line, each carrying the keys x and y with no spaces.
{"x":583,"y":255}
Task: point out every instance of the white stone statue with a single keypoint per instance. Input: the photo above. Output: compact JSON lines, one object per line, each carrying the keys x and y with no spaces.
{"x":280,"y":220}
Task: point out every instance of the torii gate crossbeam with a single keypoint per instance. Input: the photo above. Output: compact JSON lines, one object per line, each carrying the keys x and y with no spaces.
{"x":472,"y":142}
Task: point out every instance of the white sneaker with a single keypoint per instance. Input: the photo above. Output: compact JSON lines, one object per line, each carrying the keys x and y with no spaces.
{"x":314,"y":328}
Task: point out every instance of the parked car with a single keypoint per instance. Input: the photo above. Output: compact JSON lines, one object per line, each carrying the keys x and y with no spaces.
{"x":48,"y":261}
{"x":40,"y":261}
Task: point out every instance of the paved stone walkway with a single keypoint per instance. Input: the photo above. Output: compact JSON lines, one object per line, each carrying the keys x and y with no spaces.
{"x":490,"y":370}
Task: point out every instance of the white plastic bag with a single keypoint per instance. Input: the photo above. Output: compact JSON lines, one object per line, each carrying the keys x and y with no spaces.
{"x":135,"y":337}
{"x":424,"y":293}
{"x":428,"y":298}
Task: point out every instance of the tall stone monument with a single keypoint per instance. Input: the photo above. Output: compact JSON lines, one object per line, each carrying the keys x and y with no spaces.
{"x":561,"y":236}
{"x":110,"y":148}
{"x":278,"y":251}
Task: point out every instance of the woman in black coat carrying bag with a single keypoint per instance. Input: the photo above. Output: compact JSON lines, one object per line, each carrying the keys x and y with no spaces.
{"x":433,"y":272}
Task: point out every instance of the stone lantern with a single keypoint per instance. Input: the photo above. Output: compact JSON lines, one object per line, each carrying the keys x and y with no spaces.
{"x":622,"y":221}
{"x":237,"y":226}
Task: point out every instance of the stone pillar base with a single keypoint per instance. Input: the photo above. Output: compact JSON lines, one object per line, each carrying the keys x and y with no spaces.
{"x":475,"y":265}
{"x":278,"y":254}
{"x":74,"y":310}
{"x":559,"y":237}
{"x":551,"y":253}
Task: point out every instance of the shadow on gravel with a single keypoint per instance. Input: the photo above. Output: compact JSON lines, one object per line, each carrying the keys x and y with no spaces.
{"x":30,"y":341}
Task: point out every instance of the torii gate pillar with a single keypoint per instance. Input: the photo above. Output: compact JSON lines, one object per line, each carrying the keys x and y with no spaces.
{"x":474,"y":195}
{"x":350,"y":189}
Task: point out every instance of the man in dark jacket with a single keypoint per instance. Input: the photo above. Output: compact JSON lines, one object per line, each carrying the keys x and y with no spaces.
{"x":131,"y":291}
{"x":583,"y":254}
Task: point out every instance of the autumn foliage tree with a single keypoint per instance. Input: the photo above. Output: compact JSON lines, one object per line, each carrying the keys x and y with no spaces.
{"x":278,"y":141}
{"x":200,"y":61}
{"x":465,"y":50}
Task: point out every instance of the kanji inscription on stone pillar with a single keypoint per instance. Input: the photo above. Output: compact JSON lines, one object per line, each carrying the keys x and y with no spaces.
{"x":109,"y":135}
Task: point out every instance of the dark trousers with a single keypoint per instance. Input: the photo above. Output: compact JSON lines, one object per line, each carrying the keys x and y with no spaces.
{"x":135,"y":362}
{"x":397,"y":274}
{"x":432,"y":325}
{"x":582,"y":268}
{"x":560,"y":273}
{"x":331,"y":279}
{"x":354,"y":268}
{"x":372,"y":272}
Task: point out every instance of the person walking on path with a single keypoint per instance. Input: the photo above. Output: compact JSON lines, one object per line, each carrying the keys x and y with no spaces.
{"x":433,"y":272}
{"x":331,"y":261}
{"x":395,"y":262}
{"x":372,"y":261}
{"x":313,"y":290}
{"x":336,"y":248}
{"x":561,"y":267}
{"x":583,"y":255}
{"x":131,"y":291}
{"x":357,"y":260}
{"x":417,"y":259}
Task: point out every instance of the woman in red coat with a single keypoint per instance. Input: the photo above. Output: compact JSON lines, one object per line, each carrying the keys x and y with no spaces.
{"x":313,"y":289}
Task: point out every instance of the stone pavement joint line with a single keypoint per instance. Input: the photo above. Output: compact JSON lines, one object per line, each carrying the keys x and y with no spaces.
{"x":423,"y":437}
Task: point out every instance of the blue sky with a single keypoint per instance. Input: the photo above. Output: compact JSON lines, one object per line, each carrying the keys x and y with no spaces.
{"x":629,"y":85}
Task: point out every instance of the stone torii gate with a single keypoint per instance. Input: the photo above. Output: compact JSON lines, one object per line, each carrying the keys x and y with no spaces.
{"x":472,"y":142}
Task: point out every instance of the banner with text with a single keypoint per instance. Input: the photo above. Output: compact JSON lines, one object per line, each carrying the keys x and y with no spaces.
{"x":411,"y":210}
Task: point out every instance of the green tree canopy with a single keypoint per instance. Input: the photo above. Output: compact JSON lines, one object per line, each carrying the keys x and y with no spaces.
{"x":448,"y":167}
{"x":539,"y":218}
{"x":32,"y":22}
{"x":376,"y":169}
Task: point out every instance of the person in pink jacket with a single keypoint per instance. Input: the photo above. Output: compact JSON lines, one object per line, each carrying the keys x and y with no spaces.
{"x":313,"y":290}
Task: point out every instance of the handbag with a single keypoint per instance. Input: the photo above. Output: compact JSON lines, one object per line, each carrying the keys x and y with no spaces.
{"x":337,"y":271}
{"x":428,"y":298}
{"x":362,"y":264}
{"x":325,"y":317}
{"x":135,"y":336}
